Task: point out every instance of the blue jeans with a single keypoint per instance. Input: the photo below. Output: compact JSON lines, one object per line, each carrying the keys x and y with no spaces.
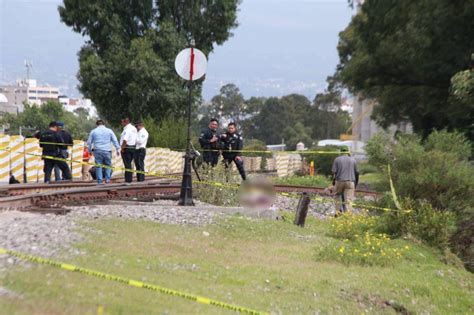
{"x":103,"y":158}
{"x":57,"y":171}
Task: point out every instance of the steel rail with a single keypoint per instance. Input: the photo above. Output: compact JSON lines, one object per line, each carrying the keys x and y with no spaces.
{"x":55,"y":199}
{"x":34,"y":188}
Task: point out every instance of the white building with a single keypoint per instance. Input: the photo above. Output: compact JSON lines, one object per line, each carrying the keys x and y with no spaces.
{"x":5,"y":107}
{"x":28,"y":91}
{"x":72,"y":104}
{"x":14,"y":96}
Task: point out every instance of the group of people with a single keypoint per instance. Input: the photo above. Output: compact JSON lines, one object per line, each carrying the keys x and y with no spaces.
{"x":131,"y":147}
{"x":55,"y":142}
{"x":229,"y":143}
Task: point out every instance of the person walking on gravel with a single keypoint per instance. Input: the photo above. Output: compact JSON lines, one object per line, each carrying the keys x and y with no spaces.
{"x":345,"y":178}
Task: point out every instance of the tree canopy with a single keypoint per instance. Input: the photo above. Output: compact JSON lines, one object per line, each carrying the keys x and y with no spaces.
{"x":127,"y":64}
{"x":34,"y":117}
{"x":404,"y":54}
{"x":292,"y":118}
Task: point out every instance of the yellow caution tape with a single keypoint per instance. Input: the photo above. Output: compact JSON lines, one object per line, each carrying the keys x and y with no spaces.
{"x":392,"y":189}
{"x":216,"y":150}
{"x":49,"y":157}
{"x":131,"y":282}
{"x":209,"y":183}
{"x":273,"y":152}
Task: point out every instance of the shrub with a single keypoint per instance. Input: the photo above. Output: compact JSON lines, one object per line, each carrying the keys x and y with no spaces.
{"x":420,"y":220}
{"x":455,"y":143}
{"x":221,"y":194}
{"x":379,"y":150}
{"x":367,"y":249}
{"x":436,"y":171}
{"x":350,"y":225}
{"x":462,"y":242}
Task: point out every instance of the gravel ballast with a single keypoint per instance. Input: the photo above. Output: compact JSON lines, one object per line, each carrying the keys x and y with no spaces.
{"x":48,"y":235}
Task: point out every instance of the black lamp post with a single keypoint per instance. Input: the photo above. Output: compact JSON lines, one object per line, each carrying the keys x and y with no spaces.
{"x":186,"y":195}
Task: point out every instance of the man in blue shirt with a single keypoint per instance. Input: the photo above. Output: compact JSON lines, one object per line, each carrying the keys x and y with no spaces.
{"x":100,"y":143}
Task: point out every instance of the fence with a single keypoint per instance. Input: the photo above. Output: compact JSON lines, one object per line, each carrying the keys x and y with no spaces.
{"x":21,"y":158}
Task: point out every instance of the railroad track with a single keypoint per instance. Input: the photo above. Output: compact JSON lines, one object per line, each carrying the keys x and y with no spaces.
{"x":58,"y":198}
{"x":320,"y":190}
{"x":51,"y":196}
{"x":35,"y":188}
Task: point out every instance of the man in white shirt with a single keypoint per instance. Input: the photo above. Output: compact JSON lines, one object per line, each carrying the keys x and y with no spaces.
{"x":140,"y":151}
{"x":128,"y":142}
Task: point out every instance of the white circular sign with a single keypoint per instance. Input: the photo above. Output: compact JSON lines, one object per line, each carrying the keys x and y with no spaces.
{"x":191,"y":64}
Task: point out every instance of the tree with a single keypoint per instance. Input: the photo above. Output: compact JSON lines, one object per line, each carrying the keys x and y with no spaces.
{"x":254,"y":106}
{"x":328,"y":119}
{"x":37,"y":118}
{"x":166,"y":135}
{"x":403,"y":54}
{"x":292,"y":118}
{"x":229,"y":105}
{"x":127,"y":66}
{"x":462,"y":100}
{"x":297,"y":133}
{"x":278,"y":118}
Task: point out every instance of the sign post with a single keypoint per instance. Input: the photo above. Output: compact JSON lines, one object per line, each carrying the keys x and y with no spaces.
{"x":190,"y":64}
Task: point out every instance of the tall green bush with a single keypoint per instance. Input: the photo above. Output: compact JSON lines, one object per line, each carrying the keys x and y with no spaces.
{"x":171,"y":133}
{"x":436,"y":170}
{"x":420,"y":220}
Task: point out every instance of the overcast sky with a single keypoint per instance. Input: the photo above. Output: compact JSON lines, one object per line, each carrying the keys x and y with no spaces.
{"x":280,"y":46}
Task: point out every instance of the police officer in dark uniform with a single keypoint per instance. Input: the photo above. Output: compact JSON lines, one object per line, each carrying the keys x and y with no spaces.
{"x":232,"y":141}
{"x":63,"y":150}
{"x":48,"y":140}
{"x":209,"y":143}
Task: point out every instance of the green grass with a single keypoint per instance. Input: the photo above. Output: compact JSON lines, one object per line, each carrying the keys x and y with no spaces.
{"x":318,"y":181}
{"x":260,"y":264}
